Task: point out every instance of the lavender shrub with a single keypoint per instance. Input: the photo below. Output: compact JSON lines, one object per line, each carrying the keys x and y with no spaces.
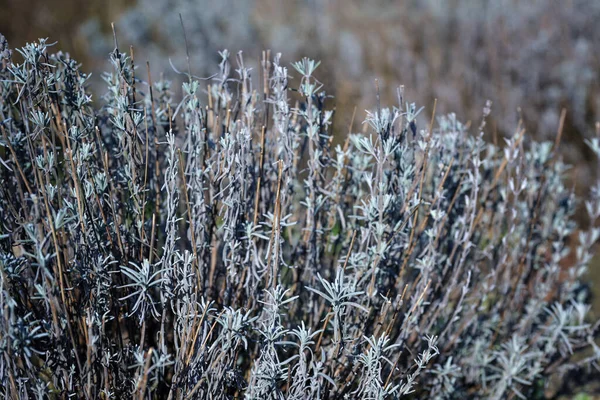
{"x":222,"y":246}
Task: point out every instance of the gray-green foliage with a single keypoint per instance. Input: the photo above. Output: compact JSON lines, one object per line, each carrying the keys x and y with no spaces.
{"x":222,"y":246}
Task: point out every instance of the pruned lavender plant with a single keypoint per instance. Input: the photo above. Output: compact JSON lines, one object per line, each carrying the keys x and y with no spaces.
{"x":222,"y":247}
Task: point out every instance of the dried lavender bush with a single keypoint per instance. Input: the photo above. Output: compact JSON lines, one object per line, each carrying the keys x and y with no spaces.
{"x":220,"y":247}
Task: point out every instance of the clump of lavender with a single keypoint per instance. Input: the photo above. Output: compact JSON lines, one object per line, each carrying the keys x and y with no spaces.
{"x":221,"y":246}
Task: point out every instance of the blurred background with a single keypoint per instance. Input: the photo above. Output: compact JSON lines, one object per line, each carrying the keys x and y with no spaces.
{"x":531,"y":58}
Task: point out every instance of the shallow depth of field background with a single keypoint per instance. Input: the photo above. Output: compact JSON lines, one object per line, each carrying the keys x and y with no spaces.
{"x":531,"y":58}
